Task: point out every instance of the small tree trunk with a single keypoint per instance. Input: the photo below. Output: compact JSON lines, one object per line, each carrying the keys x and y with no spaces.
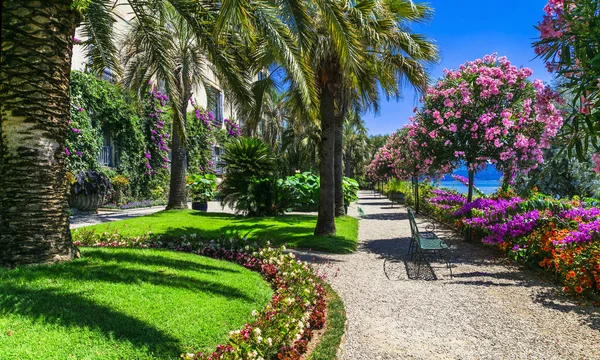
{"x":469,"y":233}
{"x":338,"y":164}
{"x":506,"y":179}
{"x":416,"y":190}
{"x":35,"y":66}
{"x":177,"y":187}
{"x":326,"y":219}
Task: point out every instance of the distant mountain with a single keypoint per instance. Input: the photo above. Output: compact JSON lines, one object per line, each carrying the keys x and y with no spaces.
{"x":490,"y":173}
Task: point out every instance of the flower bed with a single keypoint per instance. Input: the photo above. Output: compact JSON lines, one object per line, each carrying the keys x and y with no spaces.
{"x":280,"y":331}
{"x":560,"y":236}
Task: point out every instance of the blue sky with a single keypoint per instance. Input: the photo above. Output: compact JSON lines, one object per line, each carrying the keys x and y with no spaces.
{"x":466,"y":30}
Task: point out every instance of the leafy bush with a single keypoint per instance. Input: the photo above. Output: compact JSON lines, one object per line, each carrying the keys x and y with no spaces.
{"x":350,"y":189}
{"x":89,"y":183}
{"x":202,"y":186}
{"x":248,"y":186}
{"x":305,"y":187}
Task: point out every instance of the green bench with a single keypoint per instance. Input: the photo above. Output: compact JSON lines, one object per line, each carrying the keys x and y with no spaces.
{"x":425,"y":243}
{"x":361,"y":212}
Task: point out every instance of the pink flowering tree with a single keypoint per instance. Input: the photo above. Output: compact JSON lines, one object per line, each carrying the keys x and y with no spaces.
{"x":486,"y":112}
{"x":569,"y":43}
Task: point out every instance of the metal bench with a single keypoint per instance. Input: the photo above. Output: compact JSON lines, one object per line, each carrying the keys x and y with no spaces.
{"x":360,"y":212}
{"x":396,"y":197}
{"x":424,"y":243}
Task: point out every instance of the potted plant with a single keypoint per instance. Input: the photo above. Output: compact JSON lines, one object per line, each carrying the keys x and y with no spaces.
{"x":202,"y":189}
{"x":88,"y":190}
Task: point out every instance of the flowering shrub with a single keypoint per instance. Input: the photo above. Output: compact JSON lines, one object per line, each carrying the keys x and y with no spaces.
{"x":157,"y":151}
{"x":283,"y":328}
{"x":560,"y":236}
{"x":569,"y":43}
{"x":486,"y":112}
{"x":233,"y":129}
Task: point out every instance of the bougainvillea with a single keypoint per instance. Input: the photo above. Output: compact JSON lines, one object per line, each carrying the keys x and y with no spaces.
{"x":562,"y":236}
{"x":569,"y":44}
{"x":157,"y":151}
{"x":486,"y":112}
{"x":233,"y":129}
{"x":283,"y":328}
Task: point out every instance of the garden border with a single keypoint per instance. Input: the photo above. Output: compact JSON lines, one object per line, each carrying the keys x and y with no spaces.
{"x":297,"y":291}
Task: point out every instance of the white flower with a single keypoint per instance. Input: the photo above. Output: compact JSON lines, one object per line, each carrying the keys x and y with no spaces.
{"x":257,"y":331}
{"x":253,"y":354}
{"x":259,"y":338}
{"x":269,"y":341}
{"x":254,"y":313}
{"x":190,"y":355}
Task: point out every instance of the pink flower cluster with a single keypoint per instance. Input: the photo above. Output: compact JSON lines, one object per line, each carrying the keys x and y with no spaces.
{"x":486,"y":112}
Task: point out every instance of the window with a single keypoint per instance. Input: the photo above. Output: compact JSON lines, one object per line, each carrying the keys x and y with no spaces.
{"x":217,"y":160}
{"x":106,"y":151}
{"x":215,"y":104}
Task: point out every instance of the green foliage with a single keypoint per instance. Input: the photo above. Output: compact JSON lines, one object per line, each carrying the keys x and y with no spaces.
{"x":202,"y":187}
{"x":561,"y":176}
{"x":291,"y":230}
{"x":305,"y":187}
{"x":89,"y":183}
{"x":106,"y":106}
{"x":125,"y":304}
{"x":350,"y":188}
{"x":249,"y":187}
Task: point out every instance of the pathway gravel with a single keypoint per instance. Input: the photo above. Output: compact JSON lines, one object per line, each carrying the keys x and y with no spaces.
{"x":491,"y":309}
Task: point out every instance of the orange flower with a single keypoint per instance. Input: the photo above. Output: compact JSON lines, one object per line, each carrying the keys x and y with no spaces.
{"x":572,"y":274}
{"x":597,"y":266}
{"x":566,"y":288}
{"x":578,"y":289}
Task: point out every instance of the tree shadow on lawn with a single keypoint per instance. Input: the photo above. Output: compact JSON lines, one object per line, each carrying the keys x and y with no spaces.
{"x":71,"y":308}
{"x":290,"y":230}
{"x":154,"y":260}
{"x":112,"y":273}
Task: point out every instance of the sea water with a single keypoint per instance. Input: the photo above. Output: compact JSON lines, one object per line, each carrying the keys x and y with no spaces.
{"x":486,"y":186}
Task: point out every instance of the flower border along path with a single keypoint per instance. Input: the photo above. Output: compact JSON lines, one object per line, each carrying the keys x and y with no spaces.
{"x":283,"y":329}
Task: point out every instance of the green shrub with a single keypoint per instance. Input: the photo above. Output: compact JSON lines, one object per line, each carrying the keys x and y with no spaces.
{"x":248,"y":186}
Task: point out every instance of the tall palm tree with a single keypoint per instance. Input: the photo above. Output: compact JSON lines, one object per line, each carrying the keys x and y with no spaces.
{"x":189,"y":66}
{"x":356,"y":144}
{"x":37,"y":45}
{"x":35,"y":65}
{"x":348,"y":47}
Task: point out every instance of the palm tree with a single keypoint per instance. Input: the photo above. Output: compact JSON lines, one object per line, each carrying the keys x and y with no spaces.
{"x":35,"y":65}
{"x":189,"y":65}
{"x":37,"y":45}
{"x":356,"y":144}
{"x":350,"y":49}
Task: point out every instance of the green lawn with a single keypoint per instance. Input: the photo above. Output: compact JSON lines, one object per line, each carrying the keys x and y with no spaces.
{"x":125,"y":304}
{"x":292,"y":230}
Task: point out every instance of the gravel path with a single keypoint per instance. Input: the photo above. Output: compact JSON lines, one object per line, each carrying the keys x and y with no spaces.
{"x":489,"y":310}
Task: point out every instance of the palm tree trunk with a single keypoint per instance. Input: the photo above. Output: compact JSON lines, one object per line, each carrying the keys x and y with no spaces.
{"x":37,"y":46}
{"x":338,"y":163}
{"x":177,"y":187}
{"x":326,"y":219}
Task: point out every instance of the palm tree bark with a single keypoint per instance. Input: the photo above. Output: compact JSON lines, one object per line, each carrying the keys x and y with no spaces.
{"x":326,"y":218}
{"x":177,"y":186}
{"x":37,"y":46}
{"x":339,"y":161}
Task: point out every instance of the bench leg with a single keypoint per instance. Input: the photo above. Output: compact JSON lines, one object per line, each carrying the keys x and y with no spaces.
{"x":449,"y":261}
